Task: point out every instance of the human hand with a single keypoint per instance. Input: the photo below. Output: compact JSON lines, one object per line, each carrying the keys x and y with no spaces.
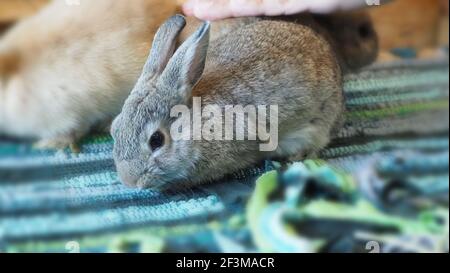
{"x":221,"y":9}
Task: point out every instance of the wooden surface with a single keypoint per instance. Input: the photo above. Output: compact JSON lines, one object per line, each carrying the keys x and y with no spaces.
{"x":409,"y":23}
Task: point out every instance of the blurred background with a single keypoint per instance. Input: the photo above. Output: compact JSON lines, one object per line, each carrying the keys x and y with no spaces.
{"x":381,"y":186}
{"x":405,"y":23}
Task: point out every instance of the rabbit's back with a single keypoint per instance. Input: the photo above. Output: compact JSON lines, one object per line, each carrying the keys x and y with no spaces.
{"x":274,"y":62}
{"x":284,"y":64}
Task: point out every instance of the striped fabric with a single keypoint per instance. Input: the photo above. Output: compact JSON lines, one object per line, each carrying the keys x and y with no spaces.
{"x":56,"y":201}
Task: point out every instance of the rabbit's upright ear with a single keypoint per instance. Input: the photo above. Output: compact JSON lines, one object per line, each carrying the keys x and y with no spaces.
{"x":164,"y":46}
{"x":186,"y":67}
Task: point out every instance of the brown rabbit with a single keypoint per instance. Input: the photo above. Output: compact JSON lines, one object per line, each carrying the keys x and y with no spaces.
{"x":353,"y":36}
{"x":71,"y":67}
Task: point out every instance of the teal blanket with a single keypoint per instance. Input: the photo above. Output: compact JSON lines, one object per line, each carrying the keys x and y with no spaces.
{"x":380,"y":178}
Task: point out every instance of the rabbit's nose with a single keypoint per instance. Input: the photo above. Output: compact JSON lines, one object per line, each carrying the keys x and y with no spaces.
{"x":127,"y":174}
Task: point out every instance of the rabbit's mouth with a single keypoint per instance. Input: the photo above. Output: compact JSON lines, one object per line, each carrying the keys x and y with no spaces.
{"x":132,"y":177}
{"x":148,"y":181}
{"x":161,"y":183}
{"x":156,"y":178}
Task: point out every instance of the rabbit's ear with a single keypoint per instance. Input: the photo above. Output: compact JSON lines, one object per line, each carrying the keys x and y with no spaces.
{"x":164,"y":45}
{"x":186,"y":67}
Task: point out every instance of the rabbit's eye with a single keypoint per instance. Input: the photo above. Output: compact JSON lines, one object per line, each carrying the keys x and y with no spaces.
{"x":156,"y":141}
{"x":365,"y":31}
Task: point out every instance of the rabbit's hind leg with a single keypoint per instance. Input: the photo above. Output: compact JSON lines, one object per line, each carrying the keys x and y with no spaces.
{"x":304,"y":143}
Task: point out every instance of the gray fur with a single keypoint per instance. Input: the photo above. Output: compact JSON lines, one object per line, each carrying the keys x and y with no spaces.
{"x":163,"y":45}
{"x":288,"y":63}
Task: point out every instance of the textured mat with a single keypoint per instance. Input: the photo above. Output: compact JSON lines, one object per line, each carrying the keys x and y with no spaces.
{"x":56,"y":201}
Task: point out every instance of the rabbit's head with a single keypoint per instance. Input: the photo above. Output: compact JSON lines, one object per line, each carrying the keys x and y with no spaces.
{"x":354,"y":36}
{"x":145,"y":154}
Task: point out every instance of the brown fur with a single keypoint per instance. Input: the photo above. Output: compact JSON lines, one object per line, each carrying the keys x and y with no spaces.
{"x":77,"y":66}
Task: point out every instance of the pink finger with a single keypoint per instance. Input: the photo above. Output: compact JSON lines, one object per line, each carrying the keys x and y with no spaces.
{"x":188,"y":8}
{"x":212,"y":9}
{"x":284,"y":7}
{"x":328,"y":6}
{"x":240,"y":8}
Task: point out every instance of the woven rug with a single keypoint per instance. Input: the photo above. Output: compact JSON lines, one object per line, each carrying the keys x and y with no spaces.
{"x":397,"y":127}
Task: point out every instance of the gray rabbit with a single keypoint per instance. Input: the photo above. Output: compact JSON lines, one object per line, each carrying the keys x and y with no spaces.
{"x":287,"y":62}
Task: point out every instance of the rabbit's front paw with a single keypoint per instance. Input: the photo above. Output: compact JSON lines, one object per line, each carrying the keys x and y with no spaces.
{"x":60,"y":143}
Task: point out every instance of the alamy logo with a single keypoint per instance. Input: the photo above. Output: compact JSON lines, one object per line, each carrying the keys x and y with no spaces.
{"x":226,"y":123}
{"x":373,"y":2}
